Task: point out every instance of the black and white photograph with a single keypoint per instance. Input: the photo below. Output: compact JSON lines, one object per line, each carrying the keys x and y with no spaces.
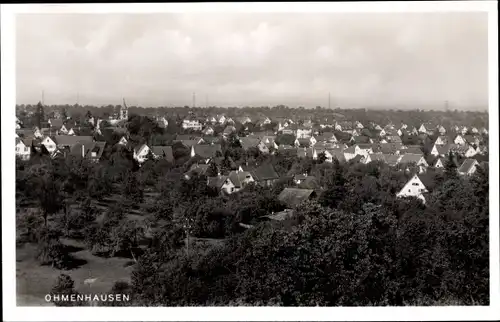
{"x":197,"y":157}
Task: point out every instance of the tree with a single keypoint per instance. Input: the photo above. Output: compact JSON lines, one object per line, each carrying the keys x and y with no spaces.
{"x":40,"y":115}
{"x":336,"y":189}
{"x":64,"y":286}
{"x":450,"y":167}
{"x":213,"y":170}
{"x":321,"y":157}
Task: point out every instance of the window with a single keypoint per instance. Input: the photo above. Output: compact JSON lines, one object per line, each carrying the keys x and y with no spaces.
{"x":415,"y":184}
{"x":26,"y":149}
{"x":232,"y":189}
{"x":409,"y":190}
{"x":17,"y":149}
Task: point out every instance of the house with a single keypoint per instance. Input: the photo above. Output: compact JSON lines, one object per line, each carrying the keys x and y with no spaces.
{"x":441,"y":140}
{"x":330,"y":154}
{"x":484,"y":131}
{"x":123,"y":141}
{"x":422,"y":129}
{"x":188,"y":143}
{"x":468,"y":167}
{"x":303,"y":133}
{"x":222,"y":183}
{"x":365,"y":149}
{"x":208,"y":131}
{"x":413,"y":188}
{"x":23,"y":149}
{"x":191,"y":124}
{"x":228,"y":130}
{"x":474,"y":130}
{"x":163,"y":152}
{"x":441,"y":130}
{"x":392,"y":160}
{"x":393,"y":139}
{"x":244,"y":120}
{"x":352,"y":152}
{"x":141,"y":153}
{"x":417,"y":159}
{"x":467,"y":151}
{"x":305,"y":181}
{"x":292,"y":197}
{"x":415,"y":149}
{"x":358,"y":125}
{"x":459,"y":140}
{"x":439,"y":163}
{"x":463,"y":130}
{"x":49,"y":144}
{"x":240,"y":179}
{"x":55,"y":124}
{"x":361,"y":139}
{"x":206,"y":152}
{"x":270,"y":141}
{"x":88,"y":150}
{"x":305,"y":142}
{"x":389,"y":148}
{"x":221,"y":119}
{"x":197,"y":169}
{"x":251,"y":142}
{"x":326,"y":137}
{"x":211,"y":140}
{"x":472,"y":139}
{"x":265,"y":174}
{"x":307,"y":153}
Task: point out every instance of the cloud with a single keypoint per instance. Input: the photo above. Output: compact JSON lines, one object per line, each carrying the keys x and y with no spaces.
{"x":245,"y":59}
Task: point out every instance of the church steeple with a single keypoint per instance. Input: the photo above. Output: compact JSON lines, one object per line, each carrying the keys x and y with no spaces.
{"x":124,"y":111}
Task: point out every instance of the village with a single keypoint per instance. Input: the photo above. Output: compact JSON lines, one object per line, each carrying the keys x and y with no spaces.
{"x":397,"y":145}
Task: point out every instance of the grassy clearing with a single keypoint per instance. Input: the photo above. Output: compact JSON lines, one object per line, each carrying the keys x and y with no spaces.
{"x":35,"y":281}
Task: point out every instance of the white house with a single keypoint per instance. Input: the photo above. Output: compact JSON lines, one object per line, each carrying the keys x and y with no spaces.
{"x":221,"y":119}
{"x":22,"y":150}
{"x":438,"y":164}
{"x":470,"y":152}
{"x":413,"y":188}
{"x":352,"y":152}
{"x":208,"y":131}
{"x":191,"y":124}
{"x":123,"y":141}
{"x":468,"y":167}
{"x":441,"y":140}
{"x":422,"y":129}
{"x":359,"y":125}
{"x":38,"y":133}
{"x":484,"y":131}
{"x":303,"y":133}
{"x":441,"y":130}
{"x":141,"y":152}
{"x":49,"y":144}
{"x":459,"y":140}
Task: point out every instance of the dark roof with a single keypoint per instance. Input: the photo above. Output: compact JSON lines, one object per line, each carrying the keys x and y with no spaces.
{"x":188,"y":143}
{"x":249,"y":142}
{"x":237,"y":177}
{"x":85,"y":149}
{"x":412,"y":149}
{"x":199,"y":169}
{"x":292,"y":197}
{"x":56,"y":123}
{"x":280,"y":216}
{"x":390,"y":148}
{"x":264,"y":172}
{"x":393,"y":139}
{"x":411,"y":158}
{"x":163,"y":152}
{"x":70,"y":140}
{"x":217,"y":182}
{"x":207,"y":151}
{"x":304,"y":142}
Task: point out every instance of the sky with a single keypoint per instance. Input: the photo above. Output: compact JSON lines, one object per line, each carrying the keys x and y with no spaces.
{"x":254,"y":59}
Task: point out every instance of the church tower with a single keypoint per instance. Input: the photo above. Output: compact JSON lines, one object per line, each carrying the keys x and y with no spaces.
{"x":124,"y":111}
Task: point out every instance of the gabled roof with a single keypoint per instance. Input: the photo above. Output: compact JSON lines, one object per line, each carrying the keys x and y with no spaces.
{"x":249,"y":142}
{"x":238,"y":177}
{"x":88,"y":148}
{"x":292,"y":197}
{"x":304,"y":141}
{"x":211,"y":139}
{"x":207,"y":151}
{"x":411,"y":158}
{"x":138,"y":149}
{"x":302,"y":153}
{"x":70,"y":140}
{"x":188,"y":143}
{"x":163,"y":151}
{"x":186,"y":137}
{"x":56,"y":123}
{"x":412,"y":149}
{"x":392,"y":160}
{"x":393,"y":139}
{"x":390,"y":148}
{"x":264,"y":172}
{"x":200,"y":169}
{"x":217,"y":182}
{"x":467,"y":165}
